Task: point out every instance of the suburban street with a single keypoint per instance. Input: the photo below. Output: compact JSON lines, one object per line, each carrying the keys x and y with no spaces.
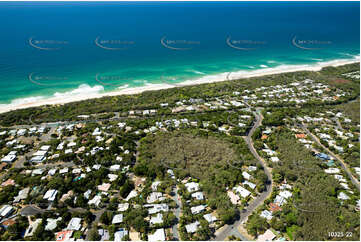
{"x":341,"y":161}
{"x":177,"y":212}
{"x":229,"y":230}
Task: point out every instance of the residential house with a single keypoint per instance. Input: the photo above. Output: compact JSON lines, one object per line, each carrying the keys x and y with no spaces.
{"x":120,"y":234}
{"x":234,"y":198}
{"x":242,"y":191}
{"x":104,"y":234}
{"x":193,"y":227}
{"x":159,"y":235}
{"x":198,"y":195}
{"x":63,"y":235}
{"x":198,"y":209}
{"x":96,"y":200}
{"x":74,"y":224}
{"x":23,"y":194}
{"x":192,"y":186}
{"x":123,"y":207}
{"x":6,"y":210}
{"x":118,"y":218}
{"x":158,"y":219}
{"x":154,"y":197}
{"x":267,"y":236}
{"x":156,"y":208}
{"x":210,"y":218}
{"x":32,"y":227}
{"x":50,"y":195}
{"x":51,"y":223}
{"x":266,"y":214}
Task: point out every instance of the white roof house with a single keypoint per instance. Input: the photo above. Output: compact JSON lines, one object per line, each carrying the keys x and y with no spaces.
{"x":250,"y":184}
{"x":156,"y":208}
{"x":104,"y":234}
{"x":52,"y":172}
{"x":6,"y":210}
{"x":76,"y":171}
{"x":210,"y":218}
{"x":96,"y":132}
{"x":123,"y":207}
{"x":87,"y":193}
{"x":60,"y":146}
{"x":64,"y":170}
{"x":193,"y":227}
{"x":198,"y":195}
{"x":51,"y":223}
{"x":9,"y":158}
{"x":252,"y":168}
{"x":50,"y":195}
{"x":118,"y":236}
{"x":158,"y":219}
{"x":279,"y":200}
{"x":246,"y":175}
{"x":38,"y":171}
{"x":159,"y":235}
{"x":345,"y":185}
{"x":74,"y":224}
{"x":131,"y":195}
{"x":23,"y":194}
{"x":242,"y":191}
{"x":275,"y":159}
{"x":155,"y":185}
{"x":45,"y":147}
{"x":343,"y":196}
{"x":96,"y":200}
{"x":118,"y":218}
{"x":285,"y":186}
{"x":332,"y":170}
{"x":37,"y":159}
{"x":267,"y":236}
{"x":286,"y":194}
{"x":32,"y":227}
{"x":233,"y":197}
{"x":114,"y":168}
{"x":192,"y":186}
{"x":155,"y":196}
{"x":40,"y":153}
{"x":198,"y":209}
{"x":266,"y":214}
{"x":112,"y":177}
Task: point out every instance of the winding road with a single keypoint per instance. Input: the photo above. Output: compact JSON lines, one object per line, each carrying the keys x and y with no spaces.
{"x":341,"y":161}
{"x":229,"y":230}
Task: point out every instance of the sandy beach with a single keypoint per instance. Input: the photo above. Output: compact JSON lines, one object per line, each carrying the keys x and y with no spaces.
{"x":97,"y":92}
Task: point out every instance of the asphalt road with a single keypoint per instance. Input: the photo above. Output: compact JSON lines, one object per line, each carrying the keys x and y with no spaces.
{"x":177,"y":214}
{"x":232,"y":229}
{"x":341,"y":161}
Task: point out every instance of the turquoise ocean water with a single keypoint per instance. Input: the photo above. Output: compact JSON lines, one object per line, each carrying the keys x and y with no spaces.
{"x":63,"y":49}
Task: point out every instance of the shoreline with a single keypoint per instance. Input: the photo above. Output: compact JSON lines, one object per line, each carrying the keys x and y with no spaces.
{"x":63,"y":98}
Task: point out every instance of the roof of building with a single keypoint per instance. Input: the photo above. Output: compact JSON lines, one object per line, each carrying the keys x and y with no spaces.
{"x":159,"y":235}
{"x":210,"y":218}
{"x":118,"y":218}
{"x":191,"y":228}
{"x":118,"y":236}
{"x":74,"y":224}
{"x":63,"y":235}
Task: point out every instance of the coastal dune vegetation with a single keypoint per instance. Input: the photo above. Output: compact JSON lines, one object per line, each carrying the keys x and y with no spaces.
{"x":152,"y":99}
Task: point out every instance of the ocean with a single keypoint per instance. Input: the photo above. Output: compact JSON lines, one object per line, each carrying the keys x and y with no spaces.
{"x":65,"y":49}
